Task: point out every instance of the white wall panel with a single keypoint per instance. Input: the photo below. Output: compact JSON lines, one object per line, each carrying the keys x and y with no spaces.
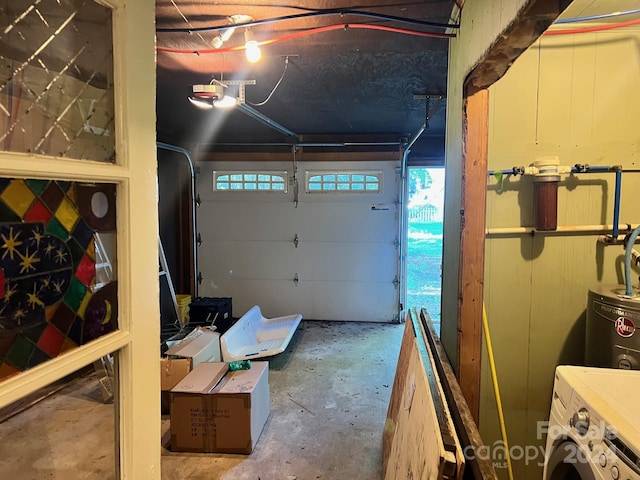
{"x":248,"y":259}
{"x":353,"y":300}
{"x":311,"y":261}
{"x":346,"y":221}
{"x":218,"y":221}
{"x":354,"y":262}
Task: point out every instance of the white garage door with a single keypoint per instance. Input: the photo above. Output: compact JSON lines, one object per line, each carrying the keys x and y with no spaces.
{"x":333,"y":256}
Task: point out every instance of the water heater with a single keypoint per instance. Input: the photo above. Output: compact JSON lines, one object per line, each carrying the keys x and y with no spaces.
{"x":613,"y":324}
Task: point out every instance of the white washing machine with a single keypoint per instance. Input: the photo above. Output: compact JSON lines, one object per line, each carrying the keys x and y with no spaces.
{"x":594,"y":425}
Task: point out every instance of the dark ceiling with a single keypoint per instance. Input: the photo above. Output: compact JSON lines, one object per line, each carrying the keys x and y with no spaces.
{"x":378,"y":79}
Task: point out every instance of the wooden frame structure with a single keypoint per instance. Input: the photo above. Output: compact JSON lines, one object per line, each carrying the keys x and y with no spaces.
{"x":430,"y":431}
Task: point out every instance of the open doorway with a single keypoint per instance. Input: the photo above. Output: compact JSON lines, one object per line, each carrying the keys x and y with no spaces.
{"x":424,"y":239}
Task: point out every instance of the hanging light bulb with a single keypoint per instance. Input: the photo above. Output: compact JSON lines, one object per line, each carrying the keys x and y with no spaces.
{"x":252,"y":49}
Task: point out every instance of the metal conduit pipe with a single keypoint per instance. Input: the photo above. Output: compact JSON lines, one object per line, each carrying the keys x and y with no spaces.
{"x":173,"y":148}
{"x":567,"y":229}
{"x":350,"y":144}
{"x":414,"y":139}
{"x":256,"y":115}
{"x":597,"y":17}
{"x":609,"y":239}
{"x":372,"y":144}
{"x":309,"y":145}
{"x":616,"y":202}
{"x":314,"y":13}
{"x":403,"y":199}
{"x":585,"y":168}
{"x":579,"y":168}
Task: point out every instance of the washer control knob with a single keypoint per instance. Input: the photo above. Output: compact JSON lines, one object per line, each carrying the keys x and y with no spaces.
{"x":615,"y":473}
{"x":580,"y":421}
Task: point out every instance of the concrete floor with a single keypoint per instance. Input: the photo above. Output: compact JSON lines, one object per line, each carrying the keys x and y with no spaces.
{"x":329,"y":396}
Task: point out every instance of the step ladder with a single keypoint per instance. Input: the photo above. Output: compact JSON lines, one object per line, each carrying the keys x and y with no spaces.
{"x":164,"y":273}
{"x":105,"y":371}
{"x":104,"y":275}
{"x":104,"y":269}
{"x":104,"y":365}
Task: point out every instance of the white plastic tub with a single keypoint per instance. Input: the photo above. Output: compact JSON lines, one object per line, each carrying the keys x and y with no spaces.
{"x":254,"y":336}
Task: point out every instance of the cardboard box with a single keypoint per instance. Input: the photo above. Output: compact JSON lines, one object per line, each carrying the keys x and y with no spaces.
{"x":224,"y":417}
{"x":172,"y":370}
{"x":201,"y":345}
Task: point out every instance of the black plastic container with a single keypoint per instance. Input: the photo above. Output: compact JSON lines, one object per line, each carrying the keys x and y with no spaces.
{"x":206,"y":311}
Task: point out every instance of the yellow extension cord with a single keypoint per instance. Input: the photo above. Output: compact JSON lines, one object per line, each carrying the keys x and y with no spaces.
{"x":494,"y":378}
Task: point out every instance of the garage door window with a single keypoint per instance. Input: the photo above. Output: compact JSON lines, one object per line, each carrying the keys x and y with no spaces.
{"x":224,"y":181}
{"x":344,"y":182}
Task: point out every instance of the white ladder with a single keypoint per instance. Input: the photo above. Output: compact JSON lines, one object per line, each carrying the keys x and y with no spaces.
{"x":164,"y":272}
{"x":104,"y":365}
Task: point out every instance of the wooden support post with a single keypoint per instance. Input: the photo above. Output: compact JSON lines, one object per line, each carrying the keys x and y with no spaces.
{"x":472,"y":227}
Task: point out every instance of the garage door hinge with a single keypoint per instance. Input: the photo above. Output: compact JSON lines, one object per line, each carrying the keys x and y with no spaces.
{"x":198,"y":202}
{"x":199,"y":239}
{"x":296,"y":280}
{"x":396,"y":282}
{"x":200,"y":278}
{"x":296,"y":240}
{"x":396,"y":243}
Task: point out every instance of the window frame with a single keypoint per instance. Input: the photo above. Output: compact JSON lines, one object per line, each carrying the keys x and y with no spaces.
{"x":217,"y":174}
{"x":309,"y":176}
